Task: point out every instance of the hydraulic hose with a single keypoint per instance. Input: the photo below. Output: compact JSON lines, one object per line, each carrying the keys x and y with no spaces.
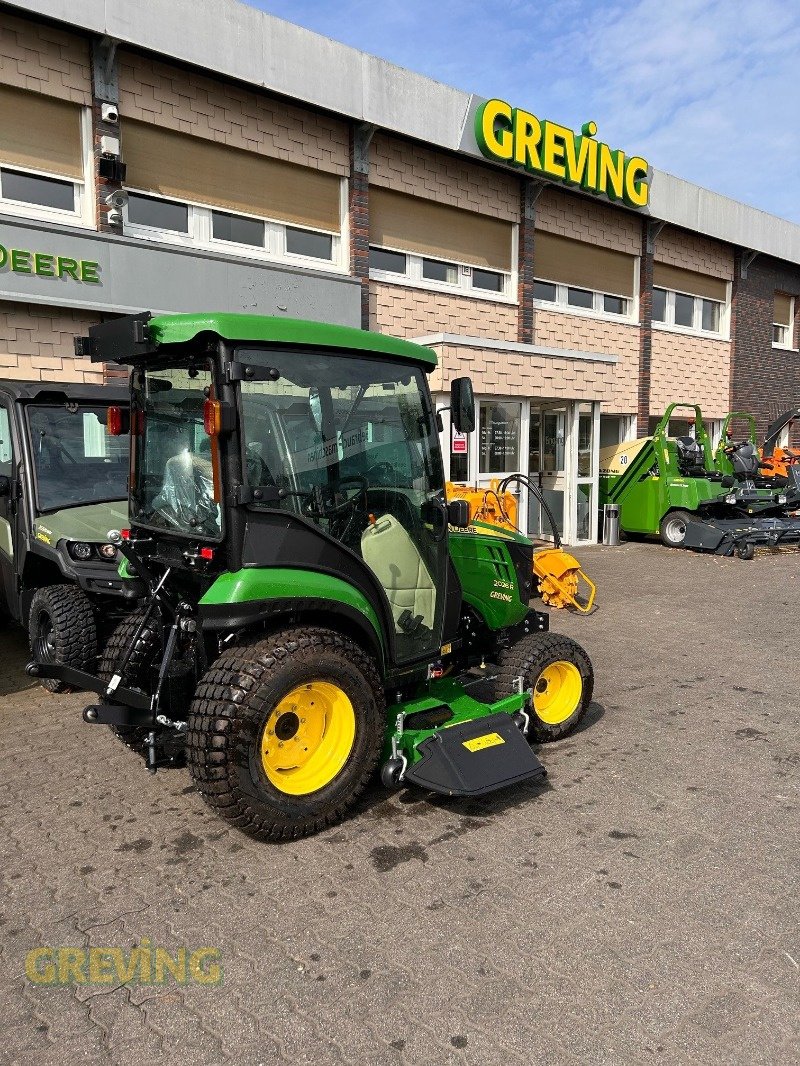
{"x":522,"y":479}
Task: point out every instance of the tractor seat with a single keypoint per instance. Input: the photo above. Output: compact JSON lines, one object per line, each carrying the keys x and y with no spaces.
{"x":391,"y":554}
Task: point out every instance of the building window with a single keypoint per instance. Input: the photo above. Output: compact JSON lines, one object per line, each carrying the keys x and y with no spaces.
{"x":158,"y":218}
{"x":387,"y":264}
{"x":390,"y":262}
{"x":36,"y":189}
{"x":237,"y":230}
{"x":783,"y":321}
{"x":567,"y":297}
{"x":45,"y":148}
{"x":694,"y":313}
{"x":158,"y":214}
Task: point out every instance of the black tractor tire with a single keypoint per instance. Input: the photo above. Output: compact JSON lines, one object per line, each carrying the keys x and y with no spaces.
{"x":672,"y":528}
{"x":145,"y":654}
{"x":746,"y":550}
{"x":560,"y":674}
{"x":236,"y":719}
{"x":62,"y":629}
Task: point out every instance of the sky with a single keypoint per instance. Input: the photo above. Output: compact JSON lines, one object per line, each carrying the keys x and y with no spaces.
{"x":704,"y":89}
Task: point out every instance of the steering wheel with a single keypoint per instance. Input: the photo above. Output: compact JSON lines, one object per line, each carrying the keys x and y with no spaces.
{"x":318,"y":502}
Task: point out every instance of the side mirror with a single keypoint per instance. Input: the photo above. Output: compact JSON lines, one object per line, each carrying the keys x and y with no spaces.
{"x":5,"y":485}
{"x":458,"y":513}
{"x":462,"y":405}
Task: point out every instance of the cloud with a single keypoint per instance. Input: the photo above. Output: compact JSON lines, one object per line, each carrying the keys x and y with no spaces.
{"x":705,"y":89}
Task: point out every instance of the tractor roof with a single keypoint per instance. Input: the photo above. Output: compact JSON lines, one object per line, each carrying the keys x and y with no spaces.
{"x":61,"y":392}
{"x":135,"y":337}
{"x":262,"y":329}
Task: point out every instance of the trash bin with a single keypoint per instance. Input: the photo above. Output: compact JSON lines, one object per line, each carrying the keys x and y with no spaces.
{"x":611,"y":523}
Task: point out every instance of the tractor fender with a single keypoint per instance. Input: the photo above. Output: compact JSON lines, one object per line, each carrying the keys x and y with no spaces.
{"x":257,"y":595}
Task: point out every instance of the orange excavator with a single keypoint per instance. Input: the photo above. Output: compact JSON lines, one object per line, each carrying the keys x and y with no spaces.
{"x":561,"y":580}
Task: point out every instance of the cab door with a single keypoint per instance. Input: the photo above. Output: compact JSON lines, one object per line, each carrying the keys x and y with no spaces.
{"x":8,"y":583}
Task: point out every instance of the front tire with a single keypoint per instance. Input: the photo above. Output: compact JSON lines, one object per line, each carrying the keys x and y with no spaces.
{"x":285,"y":732}
{"x":672,"y":529}
{"x":559,"y":673}
{"x":62,"y":629}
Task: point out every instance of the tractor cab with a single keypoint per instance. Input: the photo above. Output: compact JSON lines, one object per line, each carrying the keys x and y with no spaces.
{"x":315,"y":607}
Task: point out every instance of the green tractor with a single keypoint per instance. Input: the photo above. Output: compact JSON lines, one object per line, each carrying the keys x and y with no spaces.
{"x":316,"y":608}
{"x":677,"y":488}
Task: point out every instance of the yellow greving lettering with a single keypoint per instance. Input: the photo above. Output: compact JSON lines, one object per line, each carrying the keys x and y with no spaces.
{"x":636,"y":188}
{"x":495,"y":128}
{"x":205,"y":972}
{"x":72,"y":966}
{"x":514,"y":136}
{"x":164,"y":961}
{"x":611,"y":176}
{"x":527,"y":135}
{"x":102,"y":970}
{"x":39,"y":966}
{"x":553,"y":153}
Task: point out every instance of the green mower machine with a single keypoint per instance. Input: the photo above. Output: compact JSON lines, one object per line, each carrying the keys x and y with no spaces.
{"x":677,"y":488}
{"x":316,"y":608}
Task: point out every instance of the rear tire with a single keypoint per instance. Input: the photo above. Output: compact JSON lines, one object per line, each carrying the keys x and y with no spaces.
{"x":746,"y":551}
{"x":62,"y":629}
{"x":286,"y":731}
{"x":672,"y":529}
{"x":560,"y":674}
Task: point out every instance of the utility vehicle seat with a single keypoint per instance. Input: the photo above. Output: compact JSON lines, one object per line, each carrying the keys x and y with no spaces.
{"x":393,"y":557}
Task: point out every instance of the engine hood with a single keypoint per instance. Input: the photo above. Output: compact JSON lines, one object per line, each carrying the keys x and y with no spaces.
{"x":90,"y":522}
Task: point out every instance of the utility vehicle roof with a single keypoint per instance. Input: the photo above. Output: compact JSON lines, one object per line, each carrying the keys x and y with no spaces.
{"x":135,"y":337}
{"x":263,"y":329}
{"x":61,"y":391}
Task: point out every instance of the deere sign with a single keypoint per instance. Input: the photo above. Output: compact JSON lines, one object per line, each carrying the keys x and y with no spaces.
{"x":548,"y":150}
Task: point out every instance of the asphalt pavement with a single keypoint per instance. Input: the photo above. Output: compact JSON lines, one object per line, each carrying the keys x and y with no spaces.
{"x":640,"y":907}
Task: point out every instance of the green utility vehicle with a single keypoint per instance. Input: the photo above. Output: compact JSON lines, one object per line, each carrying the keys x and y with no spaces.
{"x":316,"y":606}
{"x":673,"y":487}
{"x":63,"y":484}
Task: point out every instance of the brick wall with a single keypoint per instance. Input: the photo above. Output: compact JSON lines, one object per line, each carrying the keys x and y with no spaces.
{"x":687,"y":369}
{"x":45,"y":60}
{"x":558,"y":330}
{"x":419,"y":171}
{"x":182,"y":100}
{"x":764,"y":380}
{"x":690,"y":251}
{"x":583,"y":219}
{"x":404,"y":311}
{"x":36,"y":343}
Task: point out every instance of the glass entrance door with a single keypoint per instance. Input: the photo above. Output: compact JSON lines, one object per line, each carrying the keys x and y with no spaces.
{"x":563,"y":461}
{"x":547,"y":468}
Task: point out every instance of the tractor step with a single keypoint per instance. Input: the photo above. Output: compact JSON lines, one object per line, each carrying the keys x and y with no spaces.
{"x":475,"y":757}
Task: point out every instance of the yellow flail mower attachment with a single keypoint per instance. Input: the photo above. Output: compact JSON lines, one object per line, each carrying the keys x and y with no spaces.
{"x":561,"y":579}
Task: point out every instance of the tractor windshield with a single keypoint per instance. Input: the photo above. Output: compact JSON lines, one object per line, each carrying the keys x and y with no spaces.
{"x":75,"y":461}
{"x":175,"y":463}
{"x":350,"y":442}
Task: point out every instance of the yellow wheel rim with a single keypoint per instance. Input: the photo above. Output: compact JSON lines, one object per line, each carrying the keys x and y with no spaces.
{"x":557,"y":692}
{"x":308,"y":737}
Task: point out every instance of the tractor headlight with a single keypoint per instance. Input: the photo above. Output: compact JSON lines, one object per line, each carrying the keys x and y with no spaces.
{"x":79,"y":550}
{"x":782,"y":498}
{"x":730,"y":498}
{"x":107,"y":551}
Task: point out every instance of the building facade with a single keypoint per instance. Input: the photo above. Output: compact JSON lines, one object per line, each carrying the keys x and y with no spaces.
{"x":170,"y":160}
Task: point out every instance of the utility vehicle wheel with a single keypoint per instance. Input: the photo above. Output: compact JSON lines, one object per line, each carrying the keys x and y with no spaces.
{"x":62,"y":629}
{"x":673,"y":528}
{"x":560,"y":674}
{"x":145,"y":654}
{"x":746,"y":550}
{"x":285,"y":732}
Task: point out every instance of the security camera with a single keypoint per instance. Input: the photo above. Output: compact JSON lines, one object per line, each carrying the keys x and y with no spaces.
{"x":114,"y":217}
{"x":110,"y":113}
{"x":117,"y":199}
